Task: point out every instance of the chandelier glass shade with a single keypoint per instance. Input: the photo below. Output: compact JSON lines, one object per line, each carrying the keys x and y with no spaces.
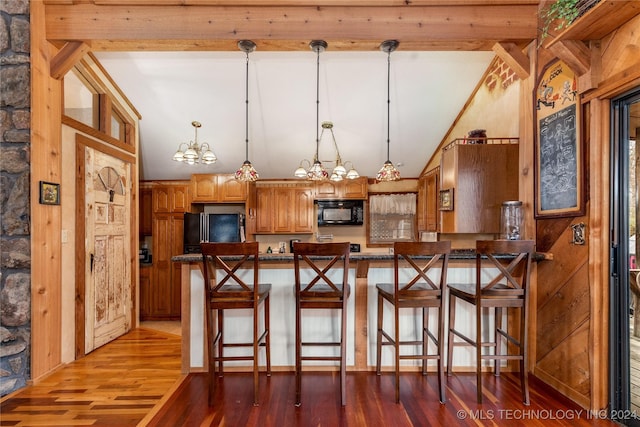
{"x":316,"y":171}
{"x":192,"y":152}
{"x":247,"y":172}
{"x":388,"y":172}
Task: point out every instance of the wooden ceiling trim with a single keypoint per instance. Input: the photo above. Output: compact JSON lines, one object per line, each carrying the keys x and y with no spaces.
{"x":513,"y":56}
{"x":66,"y":58}
{"x":575,"y":53}
{"x":285,"y":45}
{"x":293,"y":2}
{"x":429,"y":27}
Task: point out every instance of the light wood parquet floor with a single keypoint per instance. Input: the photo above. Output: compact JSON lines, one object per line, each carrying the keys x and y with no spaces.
{"x":136,"y":381}
{"x":118,"y":384}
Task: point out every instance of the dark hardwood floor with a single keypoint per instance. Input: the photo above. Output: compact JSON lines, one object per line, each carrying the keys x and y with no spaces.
{"x":370,"y":403}
{"x":136,"y":381}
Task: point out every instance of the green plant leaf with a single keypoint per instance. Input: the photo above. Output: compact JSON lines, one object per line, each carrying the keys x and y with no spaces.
{"x":563,"y":12}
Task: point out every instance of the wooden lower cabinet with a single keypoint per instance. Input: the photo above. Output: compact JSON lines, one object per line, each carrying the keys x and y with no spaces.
{"x":145,"y":291}
{"x":164,"y":292}
{"x":146,"y":210}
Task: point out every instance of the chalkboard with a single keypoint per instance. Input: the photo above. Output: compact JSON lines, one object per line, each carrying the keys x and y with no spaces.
{"x":559,"y":168}
{"x":558,"y":160}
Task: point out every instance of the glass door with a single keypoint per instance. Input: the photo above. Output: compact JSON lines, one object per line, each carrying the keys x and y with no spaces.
{"x":625,"y":289}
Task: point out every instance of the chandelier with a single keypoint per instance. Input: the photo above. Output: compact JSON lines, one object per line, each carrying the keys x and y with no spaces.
{"x":316,"y":171}
{"x":388,"y":172}
{"x":247,"y":171}
{"x":192,"y":152}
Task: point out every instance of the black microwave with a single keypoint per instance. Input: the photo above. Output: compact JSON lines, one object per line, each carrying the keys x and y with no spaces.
{"x":340,"y":212}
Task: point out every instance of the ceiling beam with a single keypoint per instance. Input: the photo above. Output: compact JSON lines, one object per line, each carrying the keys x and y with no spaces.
{"x":513,"y":56}
{"x":67,"y":57}
{"x":175,"y":27}
{"x":575,"y":53}
{"x":314,"y":3}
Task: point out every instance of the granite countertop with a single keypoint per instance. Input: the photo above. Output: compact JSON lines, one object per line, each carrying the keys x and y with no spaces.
{"x":456,"y":254}
{"x":353,"y":256}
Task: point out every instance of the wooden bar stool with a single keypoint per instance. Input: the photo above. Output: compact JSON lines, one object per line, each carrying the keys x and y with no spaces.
{"x":502,"y":279}
{"x":421,"y":286}
{"x":229,"y":291}
{"x":326,"y":288}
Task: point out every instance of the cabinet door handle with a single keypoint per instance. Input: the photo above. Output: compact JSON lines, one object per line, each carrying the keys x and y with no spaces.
{"x":91,"y":263}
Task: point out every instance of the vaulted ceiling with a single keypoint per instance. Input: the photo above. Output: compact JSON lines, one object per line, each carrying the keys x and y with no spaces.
{"x":178,"y":61}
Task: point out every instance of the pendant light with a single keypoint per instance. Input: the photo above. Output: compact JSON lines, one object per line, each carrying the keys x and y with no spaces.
{"x":316,"y":171}
{"x":388,"y":172}
{"x":193,"y":152}
{"x":246,"y":171}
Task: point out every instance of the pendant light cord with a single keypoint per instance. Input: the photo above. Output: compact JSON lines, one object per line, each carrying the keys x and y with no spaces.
{"x":388,"y":101}
{"x":317,"y":103}
{"x":246,"y":129}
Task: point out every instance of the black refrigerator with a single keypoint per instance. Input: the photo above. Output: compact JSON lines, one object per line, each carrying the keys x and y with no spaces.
{"x":211,"y":227}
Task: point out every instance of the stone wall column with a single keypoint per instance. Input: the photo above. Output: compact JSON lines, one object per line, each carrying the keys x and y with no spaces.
{"x":15,"y":256}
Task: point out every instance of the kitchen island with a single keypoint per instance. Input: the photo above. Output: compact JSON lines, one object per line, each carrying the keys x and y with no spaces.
{"x":366,"y":269}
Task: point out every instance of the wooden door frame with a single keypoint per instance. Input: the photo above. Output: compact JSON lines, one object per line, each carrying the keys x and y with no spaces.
{"x":80,"y":280}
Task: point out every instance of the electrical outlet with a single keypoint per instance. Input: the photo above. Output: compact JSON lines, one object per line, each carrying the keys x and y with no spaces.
{"x":65,"y":236}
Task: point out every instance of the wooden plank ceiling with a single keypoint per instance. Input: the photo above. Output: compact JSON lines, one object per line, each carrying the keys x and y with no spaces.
{"x":285,"y":25}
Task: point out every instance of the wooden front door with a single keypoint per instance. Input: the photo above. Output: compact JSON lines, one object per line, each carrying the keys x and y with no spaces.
{"x":108,"y":215}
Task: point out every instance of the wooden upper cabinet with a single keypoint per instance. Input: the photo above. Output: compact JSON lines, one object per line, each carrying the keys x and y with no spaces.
{"x":284,"y":209}
{"x":432,"y":182}
{"x":327,"y":190}
{"x":232,"y":190}
{"x":303,"y":218}
{"x":428,"y":187}
{"x":171,"y":197}
{"x":478,"y":178}
{"x":346,"y":189}
{"x":355,"y":188}
{"x":204,"y":188}
{"x":282,"y":203}
{"x":264,"y":210}
{"x":225,"y":188}
{"x":180,"y":199}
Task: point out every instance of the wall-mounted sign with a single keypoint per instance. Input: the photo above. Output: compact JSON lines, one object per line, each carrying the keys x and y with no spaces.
{"x":559,"y":158}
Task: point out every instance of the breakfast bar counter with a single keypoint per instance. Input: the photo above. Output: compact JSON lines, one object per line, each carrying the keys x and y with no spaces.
{"x":366,"y":269}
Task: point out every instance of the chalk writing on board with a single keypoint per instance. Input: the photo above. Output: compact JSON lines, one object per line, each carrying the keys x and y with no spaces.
{"x":558,"y":160}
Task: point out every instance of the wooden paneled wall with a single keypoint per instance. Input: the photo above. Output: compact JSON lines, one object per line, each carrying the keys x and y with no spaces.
{"x":46,"y":220}
{"x":572,"y":305}
{"x":562,"y":311}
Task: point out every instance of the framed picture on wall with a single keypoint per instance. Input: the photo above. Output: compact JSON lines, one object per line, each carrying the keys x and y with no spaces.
{"x":559,"y":152}
{"x":446,"y":199}
{"x":49,"y":193}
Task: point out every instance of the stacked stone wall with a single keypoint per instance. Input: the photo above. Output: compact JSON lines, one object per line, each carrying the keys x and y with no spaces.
{"x":15,"y":137}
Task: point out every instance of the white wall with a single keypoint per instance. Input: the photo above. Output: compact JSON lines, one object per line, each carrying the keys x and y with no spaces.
{"x":324,"y":324}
